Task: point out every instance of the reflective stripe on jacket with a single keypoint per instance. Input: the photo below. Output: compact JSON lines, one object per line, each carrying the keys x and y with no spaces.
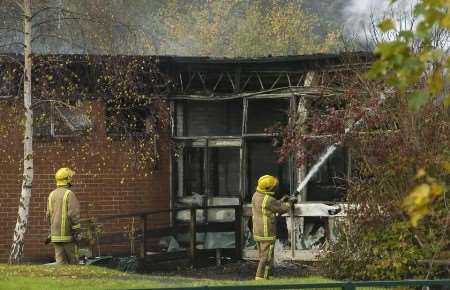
{"x":63,"y":213}
{"x":264,"y":208}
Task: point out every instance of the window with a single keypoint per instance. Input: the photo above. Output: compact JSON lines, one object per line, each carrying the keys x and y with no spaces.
{"x":262,"y":161}
{"x":264,"y":113}
{"x":55,"y":119}
{"x":127,"y":120}
{"x":212,"y":171}
{"x":209,"y":118}
{"x":211,"y":134}
{"x":329,"y":183}
{"x":224,"y":171}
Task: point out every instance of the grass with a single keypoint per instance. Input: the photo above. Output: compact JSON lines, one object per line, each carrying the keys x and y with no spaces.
{"x":40,"y":277}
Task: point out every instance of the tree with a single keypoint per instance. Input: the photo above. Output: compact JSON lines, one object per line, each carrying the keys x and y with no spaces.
{"x":25,"y":195}
{"x":69,"y":26}
{"x":416,"y":64}
{"x":244,"y":28}
{"x":400,"y":167}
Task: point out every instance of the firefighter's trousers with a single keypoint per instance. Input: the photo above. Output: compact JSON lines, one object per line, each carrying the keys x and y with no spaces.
{"x":265,"y":266}
{"x":66,"y":253}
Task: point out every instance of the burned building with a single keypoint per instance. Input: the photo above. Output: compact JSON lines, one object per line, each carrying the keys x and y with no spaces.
{"x":220,"y":111}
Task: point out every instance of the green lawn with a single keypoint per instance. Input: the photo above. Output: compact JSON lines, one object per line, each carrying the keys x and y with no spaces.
{"x":33,"y":277}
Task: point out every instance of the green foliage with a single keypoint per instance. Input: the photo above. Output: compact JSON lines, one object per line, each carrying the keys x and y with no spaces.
{"x":414,"y":56}
{"x":389,"y":230}
{"x":390,"y":252}
{"x":397,"y":254}
{"x":414,"y":64}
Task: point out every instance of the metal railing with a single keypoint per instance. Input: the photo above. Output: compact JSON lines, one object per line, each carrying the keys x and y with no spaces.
{"x":347,"y":285}
{"x":144,"y":232}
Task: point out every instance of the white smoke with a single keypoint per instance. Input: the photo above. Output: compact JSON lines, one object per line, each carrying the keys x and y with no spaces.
{"x":361,"y":16}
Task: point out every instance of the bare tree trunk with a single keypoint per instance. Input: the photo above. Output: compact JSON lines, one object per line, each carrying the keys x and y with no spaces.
{"x":25,"y":196}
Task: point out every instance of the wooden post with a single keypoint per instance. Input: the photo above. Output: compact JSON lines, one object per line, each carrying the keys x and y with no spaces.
{"x":218,"y":258}
{"x":238,"y":231}
{"x":193,"y":230}
{"x":143,"y":239}
{"x":292,"y":238}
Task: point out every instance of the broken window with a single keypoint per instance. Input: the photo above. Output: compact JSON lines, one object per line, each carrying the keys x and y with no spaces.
{"x":127,"y":119}
{"x":8,"y":81}
{"x":329,"y":183}
{"x":209,"y":118}
{"x":212,"y":171}
{"x":54,"y":119}
{"x":194,"y":173}
{"x":261,"y":161}
{"x":264,"y":113}
{"x":225,"y":170}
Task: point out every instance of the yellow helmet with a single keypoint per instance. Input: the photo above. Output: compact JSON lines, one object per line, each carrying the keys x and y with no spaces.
{"x":266,"y":183}
{"x":64,"y":176}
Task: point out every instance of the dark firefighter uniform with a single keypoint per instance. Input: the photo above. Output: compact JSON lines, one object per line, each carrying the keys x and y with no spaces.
{"x":63,"y":214}
{"x":264,"y":210}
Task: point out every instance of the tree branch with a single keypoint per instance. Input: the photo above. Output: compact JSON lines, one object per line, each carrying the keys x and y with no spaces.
{"x":11,"y":29}
{"x":12,"y":43}
{"x":12,"y":58}
{"x":54,"y":20}
{"x":20,"y":5}
{"x":59,"y":38}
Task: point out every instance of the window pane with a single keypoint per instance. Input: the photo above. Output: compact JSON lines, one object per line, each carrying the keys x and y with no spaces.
{"x":329,"y":183}
{"x":212,"y":118}
{"x":262,"y":161}
{"x":264,"y":113}
{"x":42,"y":120}
{"x":193,"y":171}
{"x":70,"y":121}
{"x":126,"y":119}
{"x":224,"y":171}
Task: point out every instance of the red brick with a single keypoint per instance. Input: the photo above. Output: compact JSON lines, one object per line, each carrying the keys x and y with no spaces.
{"x":105,"y":191}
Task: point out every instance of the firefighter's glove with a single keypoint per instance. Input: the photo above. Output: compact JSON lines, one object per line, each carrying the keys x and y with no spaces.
{"x":47,"y":240}
{"x":77,"y":236}
{"x":285,"y":198}
{"x":293,"y":199}
{"x":334,"y":211}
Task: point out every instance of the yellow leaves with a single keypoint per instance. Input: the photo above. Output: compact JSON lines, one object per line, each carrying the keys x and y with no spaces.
{"x":275,"y":27}
{"x":447,"y":101}
{"x":436,"y":81}
{"x":420,"y":173}
{"x":417,"y":204}
{"x":445,"y":22}
{"x":386,"y":25}
{"x":446,"y":166}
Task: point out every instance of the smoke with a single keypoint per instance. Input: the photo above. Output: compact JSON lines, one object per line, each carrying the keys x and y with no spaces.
{"x":137,"y":27}
{"x":361,"y":17}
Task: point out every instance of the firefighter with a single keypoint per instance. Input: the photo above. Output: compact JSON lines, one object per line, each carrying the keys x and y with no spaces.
{"x":264,"y":210}
{"x":63,"y":214}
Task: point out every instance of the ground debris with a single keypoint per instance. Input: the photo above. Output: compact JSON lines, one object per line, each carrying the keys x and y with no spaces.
{"x":235,"y":270}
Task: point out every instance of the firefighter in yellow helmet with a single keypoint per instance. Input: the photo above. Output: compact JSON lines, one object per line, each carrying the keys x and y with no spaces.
{"x":264,"y":210}
{"x":63,"y":214}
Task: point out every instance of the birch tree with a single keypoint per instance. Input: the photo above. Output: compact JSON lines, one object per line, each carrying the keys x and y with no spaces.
{"x":27,"y":181}
{"x":45,"y":26}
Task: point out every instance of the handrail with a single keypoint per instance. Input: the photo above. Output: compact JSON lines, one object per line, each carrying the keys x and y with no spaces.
{"x":142,"y":213}
{"x":193,"y":228}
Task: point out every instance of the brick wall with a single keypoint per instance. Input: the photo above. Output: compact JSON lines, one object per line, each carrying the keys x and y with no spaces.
{"x":106,"y":182}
